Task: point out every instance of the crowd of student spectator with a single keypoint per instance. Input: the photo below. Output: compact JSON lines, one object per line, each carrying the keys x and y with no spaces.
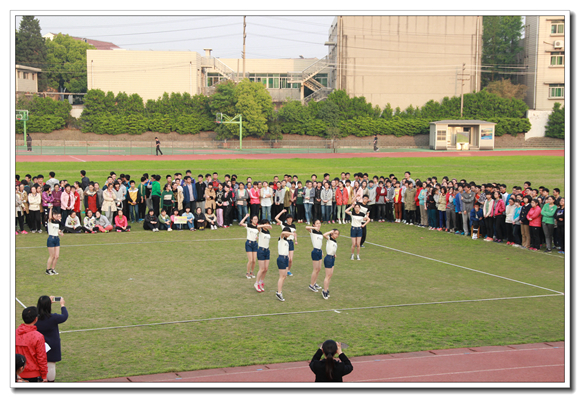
{"x":526,"y":217}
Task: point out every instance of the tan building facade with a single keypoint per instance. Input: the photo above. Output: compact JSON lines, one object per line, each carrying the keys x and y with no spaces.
{"x":405,"y":60}
{"x":147,"y":73}
{"x":544,"y":56}
{"x":27,"y":79}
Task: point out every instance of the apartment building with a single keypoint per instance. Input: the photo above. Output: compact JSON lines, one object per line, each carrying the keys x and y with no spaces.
{"x":405,"y":59}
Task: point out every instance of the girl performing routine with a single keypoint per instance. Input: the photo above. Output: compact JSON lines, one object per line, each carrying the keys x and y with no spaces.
{"x":263,"y":254}
{"x":293,"y":239}
{"x":316,"y":255}
{"x":282,"y":261}
{"x":251,"y":243}
{"x":359,"y":221}
{"x":331,"y":247}
{"x":53,"y":241}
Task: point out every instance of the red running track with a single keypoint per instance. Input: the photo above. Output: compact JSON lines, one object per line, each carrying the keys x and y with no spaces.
{"x":525,"y":363}
{"x":432,"y":154}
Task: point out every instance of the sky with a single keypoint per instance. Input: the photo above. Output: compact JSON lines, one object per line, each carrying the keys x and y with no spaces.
{"x":267,"y":36}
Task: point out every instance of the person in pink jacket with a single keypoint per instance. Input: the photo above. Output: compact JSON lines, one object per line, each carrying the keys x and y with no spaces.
{"x":341,"y":196}
{"x":121,"y":223}
{"x":499,"y":216}
{"x":535,"y":218}
{"x":254,"y":194}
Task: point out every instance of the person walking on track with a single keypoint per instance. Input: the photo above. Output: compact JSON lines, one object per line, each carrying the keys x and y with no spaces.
{"x":157,"y":149}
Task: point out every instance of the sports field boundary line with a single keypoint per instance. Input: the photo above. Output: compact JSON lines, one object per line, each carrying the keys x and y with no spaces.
{"x":134,"y":243}
{"x":463,"y":372}
{"x":461,"y":266}
{"x":337,"y":310}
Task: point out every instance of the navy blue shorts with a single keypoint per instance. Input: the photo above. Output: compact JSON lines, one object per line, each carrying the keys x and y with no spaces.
{"x":263,"y":254}
{"x":251,"y":246}
{"x":53,"y":241}
{"x":290,"y":245}
{"x":316,"y":254}
{"x":355,"y":232}
{"x":329,"y":261}
{"x":282,"y":262}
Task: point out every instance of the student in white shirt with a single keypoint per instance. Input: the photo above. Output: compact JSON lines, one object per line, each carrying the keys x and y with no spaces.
{"x":282,"y":261}
{"x":316,"y":255}
{"x":358,"y":220}
{"x":251,"y":243}
{"x":263,"y":254}
{"x":292,"y":239}
{"x":331,"y":247}
{"x":53,"y":241}
{"x":266,"y":201}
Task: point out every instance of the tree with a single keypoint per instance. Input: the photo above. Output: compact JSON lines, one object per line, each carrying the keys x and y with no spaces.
{"x":66,"y":64}
{"x":501,"y":45}
{"x":556,"y":122}
{"x":30,"y":48}
{"x":506,"y":89}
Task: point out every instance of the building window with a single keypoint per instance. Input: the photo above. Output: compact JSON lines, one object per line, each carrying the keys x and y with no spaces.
{"x":557,"y":28}
{"x":557,"y":58}
{"x":25,"y":75}
{"x":441,"y":135}
{"x":556,"y":91}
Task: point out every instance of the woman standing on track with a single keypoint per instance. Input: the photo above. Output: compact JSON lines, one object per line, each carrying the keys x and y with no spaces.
{"x":316,"y":255}
{"x":53,"y":241}
{"x":282,"y":261}
{"x":263,"y":254}
{"x":251,"y":243}
{"x":330,"y":369}
{"x":331,"y":247}
{"x":292,"y":239}
{"x":358,"y":221}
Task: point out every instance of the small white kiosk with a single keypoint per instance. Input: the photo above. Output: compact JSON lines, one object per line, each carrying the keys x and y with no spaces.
{"x":462,"y":135}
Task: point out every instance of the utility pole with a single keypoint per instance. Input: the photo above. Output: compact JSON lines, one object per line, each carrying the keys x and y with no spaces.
{"x":462,"y":80}
{"x":244,"y":52}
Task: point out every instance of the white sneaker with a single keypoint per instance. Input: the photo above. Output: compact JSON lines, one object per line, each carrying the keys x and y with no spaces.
{"x":169,"y":229}
{"x":474,"y":236}
{"x":352,"y":256}
{"x":357,"y":257}
{"x":339,"y":222}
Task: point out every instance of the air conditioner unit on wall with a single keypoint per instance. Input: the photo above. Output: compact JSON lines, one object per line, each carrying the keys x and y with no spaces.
{"x":559,"y":44}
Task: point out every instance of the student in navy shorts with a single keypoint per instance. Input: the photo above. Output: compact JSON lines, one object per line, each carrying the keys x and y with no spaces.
{"x":331,"y":247}
{"x":263,"y":254}
{"x":53,"y":241}
{"x":316,"y":255}
{"x":251,"y":244}
{"x":358,"y":220}
{"x":282,"y":261}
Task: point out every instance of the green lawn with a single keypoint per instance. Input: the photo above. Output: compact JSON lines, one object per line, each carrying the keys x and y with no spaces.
{"x":143,"y":278}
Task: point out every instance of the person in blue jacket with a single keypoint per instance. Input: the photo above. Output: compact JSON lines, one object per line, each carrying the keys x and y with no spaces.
{"x":458,"y":210}
{"x":476,"y":218}
{"x":47,"y":325}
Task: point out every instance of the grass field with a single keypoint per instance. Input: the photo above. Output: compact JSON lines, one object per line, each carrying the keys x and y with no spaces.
{"x":477,"y":293}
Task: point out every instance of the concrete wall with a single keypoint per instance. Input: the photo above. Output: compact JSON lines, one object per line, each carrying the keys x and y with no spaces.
{"x":539,"y":120}
{"x":28,"y":84}
{"x":147,"y":73}
{"x":406,"y":60}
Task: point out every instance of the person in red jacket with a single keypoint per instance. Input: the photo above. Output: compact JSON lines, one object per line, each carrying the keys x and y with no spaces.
{"x":30,"y":343}
{"x":499,"y":216}
{"x":535,"y":218}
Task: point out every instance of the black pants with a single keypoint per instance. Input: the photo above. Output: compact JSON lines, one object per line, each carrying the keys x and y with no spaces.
{"x":34,"y":220}
{"x":410,"y":216}
{"x":517,"y":234}
{"x":148,"y":226}
{"x":560,"y":230}
{"x":254,"y":210}
{"x":20,"y":219}
{"x":535,"y":237}
{"x":142,"y":210}
{"x":389,"y":210}
{"x":500,"y":226}
{"x":372,"y":212}
{"x":157,"y":150}
{"x":458,"y":221}
{"x":364,"y":235}
{"x":156,"y":199}
{"x":489,"y":226}
{"x":510,"y":232}
{"x":227,"y":215}
{"x":316,"y":212}
{"x":300,"y":212}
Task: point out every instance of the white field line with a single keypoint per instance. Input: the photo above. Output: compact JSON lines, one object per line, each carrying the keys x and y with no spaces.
{"x":460,"y":266}
{"x":307,"y":312}
{"x":135,"y":243}
{"x":458,"y":373}
{"x":76,"y":158}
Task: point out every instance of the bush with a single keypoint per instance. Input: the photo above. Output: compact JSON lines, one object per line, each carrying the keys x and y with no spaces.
{"x":556,"y":122}
{"x":513,"y":126}
{"x":44,"y":115}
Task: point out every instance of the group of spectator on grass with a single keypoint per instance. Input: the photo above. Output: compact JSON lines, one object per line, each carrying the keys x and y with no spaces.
{"x":525,"y":217}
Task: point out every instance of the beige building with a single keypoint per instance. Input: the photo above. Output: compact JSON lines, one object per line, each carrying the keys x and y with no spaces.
{"x":544,"y":54}
{"x":405,"y":60}
{"x":27,"y":79}
{"x":152,"y":73}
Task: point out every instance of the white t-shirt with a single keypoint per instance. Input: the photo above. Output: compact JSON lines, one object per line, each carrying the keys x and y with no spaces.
{"x":53,"y":228}
{"x":331,"y":247}
{"x":266,"y":201}
{"x":357,"y":219}
{"x":264,"y":239}
{"x":283,"y":247}
{"x":252,"y":233}
{"x":316,"y":237}
{"x":292,"y":228}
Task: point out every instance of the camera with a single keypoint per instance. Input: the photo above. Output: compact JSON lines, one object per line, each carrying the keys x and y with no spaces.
{"x":57,"y":298}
